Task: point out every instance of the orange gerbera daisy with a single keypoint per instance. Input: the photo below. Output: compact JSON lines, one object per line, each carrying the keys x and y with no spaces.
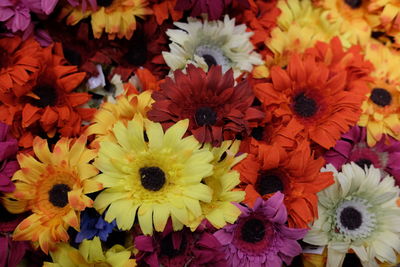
{"x":388,"y":12}
{"x":19,"y":64}
{"x":50,"y":105}
{"x":52,"y":186}
{"x":309,"y":99}
{"x":296,"y":174}
{"x":163,"y":9}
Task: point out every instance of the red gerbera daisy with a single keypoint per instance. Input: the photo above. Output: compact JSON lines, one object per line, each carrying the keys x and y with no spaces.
{"x":79,"y":48}
{"x":310,"y":100}
{"x":296,"y":174}
{"x":142,"y":50}
{"x":50,"y":107}
{"x":214,"y":8}
{"x":217,"y":109}
{"x":19,"y":64}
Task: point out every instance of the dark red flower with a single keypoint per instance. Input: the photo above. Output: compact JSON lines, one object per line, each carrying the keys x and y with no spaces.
{"x":180,"y":248}
{"x":214,"y":8}
{"x":217,"y":109}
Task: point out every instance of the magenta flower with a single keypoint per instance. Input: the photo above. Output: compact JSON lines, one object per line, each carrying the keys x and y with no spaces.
{"x":385,"y":155}
{"x":11,"y":252}
{"x":260,"y":237}
{"x":214,"y":8}
{"x":84,"y":4}
{"x":178,"y":249}
{"x":8,"y":164}
{"x":16,"y":14}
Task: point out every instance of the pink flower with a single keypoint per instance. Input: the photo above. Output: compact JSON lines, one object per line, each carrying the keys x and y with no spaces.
{"x":8,"y":164}
{"x":11,"y":252}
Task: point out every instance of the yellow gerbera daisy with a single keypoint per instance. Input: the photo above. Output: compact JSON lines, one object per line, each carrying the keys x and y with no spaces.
{"x":116,"y":17}
{"x":380,"y":111}
{"x":299,"y":26}
{"x":90,"y":254}
{"x":358,"y":21}
{"x":221,"y":210}
{"x":52,"y":186}
{"x":154,"y":173}
{"x":388,"y":12}
{"x":125,"y":108}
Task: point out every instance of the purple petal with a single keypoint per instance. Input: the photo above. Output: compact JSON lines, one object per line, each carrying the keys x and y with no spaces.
{"x":5,"y":14}
{"x":48,"y":6}
{"x":20,"y":20}
{"x":144,"y":243}
{"x":223,"y":237}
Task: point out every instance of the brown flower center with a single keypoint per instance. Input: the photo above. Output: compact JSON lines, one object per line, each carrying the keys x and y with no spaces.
{"x":74,"y":58}
{"x":362,"y":162}
{"x":253,"y":231}
{"x":350,"y":218}
{"x":381,"y":97}
{"x":353,"y":3}
{"x":104,"y":3}
{"x":269,"y":183}
{"x":210,"y":60}
{"x":152,"y":178}
{"x":304,"y":106}
{"x":58,"y":195}
{"x":205,"y":116}
{"x":47,"y":96}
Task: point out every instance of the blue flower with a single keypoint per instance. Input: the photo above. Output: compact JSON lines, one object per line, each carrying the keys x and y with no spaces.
{"x":92,"y":224}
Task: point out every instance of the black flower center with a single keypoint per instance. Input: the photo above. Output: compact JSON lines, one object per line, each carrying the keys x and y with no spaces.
{"x":353,"y":3}
{"x":152,"y":178}
{"x":304,"y":106}
{"x":137,"y":53}
{"x":210,"y":60}
{"x":58,"y":195}
{"x":74,"y":58}
{"x":47,"y":96}
{"x":381,"y":97}
{"x":350,"y":218}
{"x":257,"y":133}
{"x":167,"y":247}
{"x":253,"y":231}
{"x":268,"y":183}
{"x":205,"y":116}
{"x":362,"y":162}
{"x":104,"y":3}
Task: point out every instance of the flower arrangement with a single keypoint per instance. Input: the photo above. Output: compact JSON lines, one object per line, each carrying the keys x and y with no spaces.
{"x":199,"y":133}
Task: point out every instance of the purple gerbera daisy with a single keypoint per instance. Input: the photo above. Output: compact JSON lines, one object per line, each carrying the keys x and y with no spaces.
{"x":11,"y":252}
{"x":260,"y":237}
{"x":385,"y":155}
{"x":178,"y":249}
{"x":8,"y":164}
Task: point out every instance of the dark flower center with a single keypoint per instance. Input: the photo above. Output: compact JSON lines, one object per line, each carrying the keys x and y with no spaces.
{"x":257,"y":133}
{"x":74,"y":58}
{"x":58,"y":195}
{"x":363,"y":162}
{"x":381,"y":97}
{"x":353,"y":3}
{"x":47,"y":95}
{"x":152,"y":178}
{"x":268,"y":183}
{"x":304,"y":106}
{"x":351,"y":218}
{"x":104,"y":3}
{"x":253,"y":231}
{"x":205,"y":116}
{"x":137,"y":53}
{"x":167,"y":247}
{"x":210,"y":60}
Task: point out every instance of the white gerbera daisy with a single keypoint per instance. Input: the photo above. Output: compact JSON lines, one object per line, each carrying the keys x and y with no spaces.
{"x":206,"y":43}
{"x":358,"y":212}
